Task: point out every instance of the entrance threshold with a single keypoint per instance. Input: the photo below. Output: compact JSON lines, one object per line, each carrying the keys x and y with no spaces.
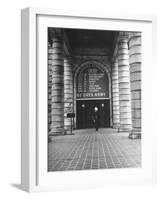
{"x":93,"y":131}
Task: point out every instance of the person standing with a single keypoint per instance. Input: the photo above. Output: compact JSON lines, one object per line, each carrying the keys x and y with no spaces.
{"x":96,"y":118}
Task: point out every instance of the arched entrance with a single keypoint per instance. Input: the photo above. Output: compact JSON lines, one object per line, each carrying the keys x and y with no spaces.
{"x":92,"y":90}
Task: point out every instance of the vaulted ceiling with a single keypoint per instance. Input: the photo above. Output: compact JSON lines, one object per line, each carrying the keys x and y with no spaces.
{"x":83,"y":38}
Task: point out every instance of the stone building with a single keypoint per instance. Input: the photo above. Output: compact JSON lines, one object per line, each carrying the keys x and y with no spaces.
{"x":94,"y":68}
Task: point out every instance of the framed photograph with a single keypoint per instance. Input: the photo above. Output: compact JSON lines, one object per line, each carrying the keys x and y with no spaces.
{"x":86,"y":99}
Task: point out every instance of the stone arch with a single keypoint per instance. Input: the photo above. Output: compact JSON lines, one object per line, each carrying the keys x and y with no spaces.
{"x":81,"y":67}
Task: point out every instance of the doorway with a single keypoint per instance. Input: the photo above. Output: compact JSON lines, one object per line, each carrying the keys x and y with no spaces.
{"x":85,"y":111}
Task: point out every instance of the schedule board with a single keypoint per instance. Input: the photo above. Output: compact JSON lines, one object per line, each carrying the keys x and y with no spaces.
{"x":92,"y":82}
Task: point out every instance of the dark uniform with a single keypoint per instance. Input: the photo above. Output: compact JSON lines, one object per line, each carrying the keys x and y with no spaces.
{"x":96,"y":120}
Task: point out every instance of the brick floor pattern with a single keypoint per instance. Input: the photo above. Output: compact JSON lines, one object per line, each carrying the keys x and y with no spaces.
{"x":87,"y":149}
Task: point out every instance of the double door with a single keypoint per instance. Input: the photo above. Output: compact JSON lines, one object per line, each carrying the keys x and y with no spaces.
{"x":85,"y":113}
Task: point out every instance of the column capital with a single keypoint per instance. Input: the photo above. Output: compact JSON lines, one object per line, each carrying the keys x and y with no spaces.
{"x":115,"y":59}
{"x":123,"y":36}
{"x":134,"y":34}
{"x":70,"y":58}
{"x":55,"y":34}
{"x":49,"y":45}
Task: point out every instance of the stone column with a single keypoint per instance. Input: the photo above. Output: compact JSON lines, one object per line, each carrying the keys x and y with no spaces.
{"x":68,"y":91}
{"x":135,"y":76}
{"x":124,"y":84}
{"x":57,"y":90}
{"x":115,"y":94}
{"x":49,"y":86}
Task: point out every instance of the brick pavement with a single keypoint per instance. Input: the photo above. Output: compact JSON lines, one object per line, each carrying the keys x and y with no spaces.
{"x":87,"y":149}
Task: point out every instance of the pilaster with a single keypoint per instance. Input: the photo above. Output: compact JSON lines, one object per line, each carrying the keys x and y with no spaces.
{"x":68,"y":91}
{"x":115,"y":94}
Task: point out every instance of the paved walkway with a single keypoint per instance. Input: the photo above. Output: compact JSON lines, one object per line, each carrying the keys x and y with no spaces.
{"x":88,"y":149}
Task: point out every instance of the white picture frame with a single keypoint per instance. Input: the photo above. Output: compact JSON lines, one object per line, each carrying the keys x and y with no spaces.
{"x":33,"y":145}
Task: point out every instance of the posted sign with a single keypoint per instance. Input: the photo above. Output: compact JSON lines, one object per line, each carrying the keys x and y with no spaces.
{"x":92,"y":82}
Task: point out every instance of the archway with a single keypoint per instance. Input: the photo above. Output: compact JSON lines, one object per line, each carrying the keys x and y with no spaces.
{"x":92,"y":87}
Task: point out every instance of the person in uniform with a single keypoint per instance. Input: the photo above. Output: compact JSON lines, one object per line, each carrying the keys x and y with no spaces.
{"x":96,"y":118}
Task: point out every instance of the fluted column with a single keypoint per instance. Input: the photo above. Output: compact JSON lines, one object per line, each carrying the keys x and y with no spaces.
{"x":57,"y":91}
{"x":115,"y":94}
{"x":124,"y":84}
{"x":68,"y":91}
{"x":135,"y":77}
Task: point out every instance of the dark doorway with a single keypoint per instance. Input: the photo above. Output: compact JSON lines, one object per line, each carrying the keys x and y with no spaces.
{"x":85,"y":111}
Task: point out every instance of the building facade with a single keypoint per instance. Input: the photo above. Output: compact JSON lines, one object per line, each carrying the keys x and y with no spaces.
{"x":94,"y":68}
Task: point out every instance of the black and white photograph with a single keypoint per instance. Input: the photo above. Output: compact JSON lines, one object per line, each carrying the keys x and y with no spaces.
{"x":94,"y":99}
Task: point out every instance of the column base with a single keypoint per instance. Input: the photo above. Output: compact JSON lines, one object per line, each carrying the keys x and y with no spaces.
{"x":135,"y":135}
{"x":116,"y":126}
{"x":52,"y":135}
{"x":68,"y":131}
{"x":124,"y":130}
